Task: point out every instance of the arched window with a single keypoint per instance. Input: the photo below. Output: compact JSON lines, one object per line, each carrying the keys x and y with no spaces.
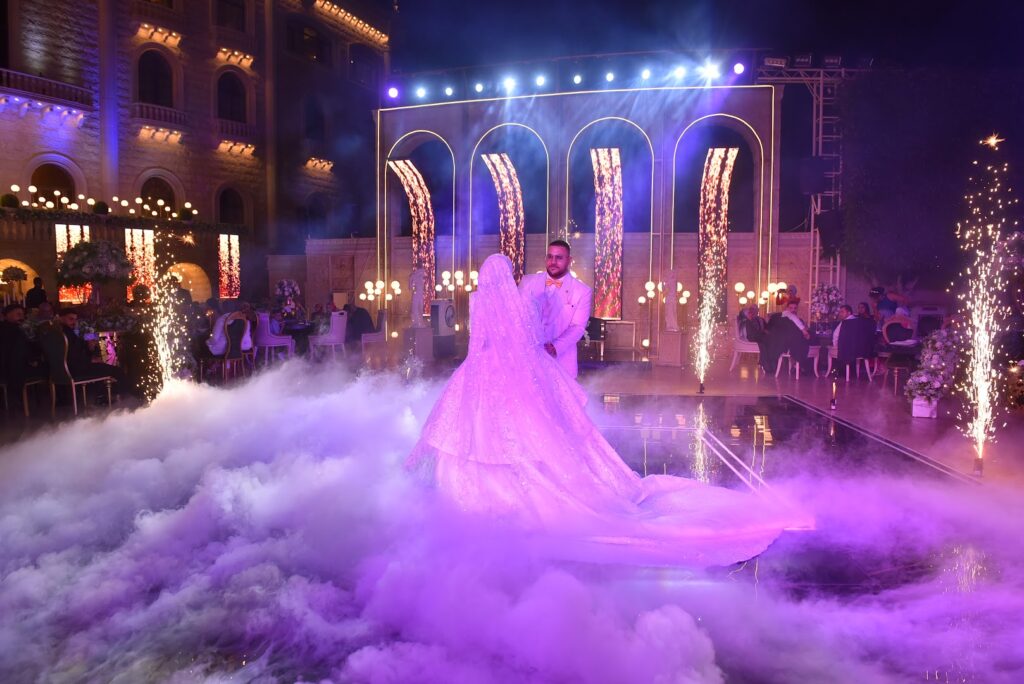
{"x":230,"y":207}
{"x":306,"y":41}
{"x":156,"y":81}
{"x":230,"y":14}
{"x":157,"y":188}
{"x":50,"y":177}
{"x":231,"y":97}
{"x":364,"y":65}
{"x":315,"y":127}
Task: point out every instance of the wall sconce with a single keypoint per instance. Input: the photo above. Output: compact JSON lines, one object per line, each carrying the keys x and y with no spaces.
{"x":353,"y":23}
{"x":319,"y":164}
{"x":234,"y":57}
{"x":164,"y":135}
{"x":160,"y":35}
{"x":236,"y":148}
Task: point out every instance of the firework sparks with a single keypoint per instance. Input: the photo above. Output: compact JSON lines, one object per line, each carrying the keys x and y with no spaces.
{"x":139,"y":248}
{"x":980,"y":236}
{"x":422,"y":211}
{"x":67,"y":236}
{"x":712,"y":248}
{"x":228,"y":267}
{"x":607,"y":164}
{"x":169,"y":332}
{"x":511,"y":218}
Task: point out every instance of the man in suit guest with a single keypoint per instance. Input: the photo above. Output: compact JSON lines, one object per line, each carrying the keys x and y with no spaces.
{"x":787,"y":333}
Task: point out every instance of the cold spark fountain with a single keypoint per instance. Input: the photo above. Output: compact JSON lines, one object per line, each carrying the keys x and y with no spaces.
{"x":712,"y":247}
{"x":980,"y":236}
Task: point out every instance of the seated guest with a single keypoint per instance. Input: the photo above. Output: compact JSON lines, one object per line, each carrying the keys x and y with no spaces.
{"x":218,"y":342}
{"x":80,"y":355}
{"x":42,"y":314}
{"x":863,"y":310}
{"x":854,"y":338}
{"x":845,"y":314}
{"x":885,"y":305}
{"x":35,"y":296}
{"x":277,"y":322}
{"x":752,"y":329}
{"x":20,"y":361}
{"x":359,"y":322}
{"x":786,"y":332}
{"x":898,"y":327}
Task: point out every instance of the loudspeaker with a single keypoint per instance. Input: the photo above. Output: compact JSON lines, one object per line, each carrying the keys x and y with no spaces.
{"x":830,"y":227}
{"x":812,"y":175}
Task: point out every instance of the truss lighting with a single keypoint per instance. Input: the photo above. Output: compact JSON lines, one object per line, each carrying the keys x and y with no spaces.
{"x":679,"y":72}
{"x":540,"y":81}
{"x":509,"y":84}
{"x":392,"y":92}
{"x":709,"y":71}
{"x":479,"y":87}
{"x":421,"y":92}
{"x":577,"y":79}
{"x":645,"y":74}
{"x":449,"y":91}
{"x":738,"y":68}
{"x":610,"y":76}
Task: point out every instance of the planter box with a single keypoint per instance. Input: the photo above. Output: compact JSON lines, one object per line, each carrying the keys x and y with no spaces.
{"x":924,"y":408}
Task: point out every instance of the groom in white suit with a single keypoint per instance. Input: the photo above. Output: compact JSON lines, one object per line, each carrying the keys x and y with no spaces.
{"x":564,"y":304}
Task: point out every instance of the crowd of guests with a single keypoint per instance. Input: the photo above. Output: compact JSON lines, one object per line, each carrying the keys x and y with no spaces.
{"x":883,"y":323}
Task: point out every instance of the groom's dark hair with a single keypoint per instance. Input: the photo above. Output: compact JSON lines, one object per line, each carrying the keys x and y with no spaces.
{"x":561,"y":243}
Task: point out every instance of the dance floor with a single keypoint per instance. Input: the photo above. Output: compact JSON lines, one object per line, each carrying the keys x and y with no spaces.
{"x":268,"y":532}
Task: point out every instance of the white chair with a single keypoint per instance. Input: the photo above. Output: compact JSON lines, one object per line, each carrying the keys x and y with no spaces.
{"x":743,"y":347}
{"x":379,"y":336}
{"x":266,"y":340}
{"x":334,"y":337}
{"x":789,"y":365}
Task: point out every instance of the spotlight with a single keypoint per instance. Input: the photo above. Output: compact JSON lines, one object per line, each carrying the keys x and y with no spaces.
{"x":540,"y":80}
{"x":610,"y":76}
{"x":832,"y":61}
{"x":645,"y":74}
{"x":449,"y":91}
{"x":803,"y":60}
{"x":738,"y":68}
{"x":776,"y":62}
{"x":392,"y":92}
{"x":679,"y":72}
{"x":577,"y":79}
{"x":509,"y":84}
{"x":479,"y":87}
{"x":708,"y":71}
{"x":421,"y":92}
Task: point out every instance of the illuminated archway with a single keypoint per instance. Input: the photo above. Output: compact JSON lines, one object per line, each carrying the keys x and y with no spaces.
{"x":194,"y":279}
{"x":16,"y":290}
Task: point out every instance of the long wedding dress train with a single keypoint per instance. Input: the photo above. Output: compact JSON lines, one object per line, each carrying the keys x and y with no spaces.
{"x":509,"y":438}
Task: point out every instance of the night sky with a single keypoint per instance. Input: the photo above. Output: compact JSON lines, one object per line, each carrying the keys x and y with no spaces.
{"x":438,"y":34}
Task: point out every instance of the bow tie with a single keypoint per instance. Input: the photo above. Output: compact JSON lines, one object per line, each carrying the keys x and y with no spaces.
{"x":552,"y":281}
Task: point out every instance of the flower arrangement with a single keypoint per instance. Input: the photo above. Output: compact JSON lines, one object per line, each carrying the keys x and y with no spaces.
{"x":94,"y":262}
{"x":825,"y":300}
{"x":934,"y":379}
{"x":287,"y":289}
{"x":116,"y":318}
{"x":13,"y":274}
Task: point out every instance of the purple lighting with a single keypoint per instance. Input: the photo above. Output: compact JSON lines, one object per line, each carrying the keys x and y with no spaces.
{"x":393,"y":92}
{"x":738,"y":68}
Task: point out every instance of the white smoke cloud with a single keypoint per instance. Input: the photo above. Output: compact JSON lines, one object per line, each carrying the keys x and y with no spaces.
{"x":270,"y":533}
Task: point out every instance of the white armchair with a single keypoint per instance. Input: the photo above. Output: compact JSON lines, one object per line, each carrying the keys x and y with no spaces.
{"x":265,"y":340}
{"x":741,"y":346}
{"x":334,"y":337}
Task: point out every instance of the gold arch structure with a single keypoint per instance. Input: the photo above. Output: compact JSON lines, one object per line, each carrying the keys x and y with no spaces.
{"x":383,"y":271}
{"x":568,"y":171}
{"x":760,"y":196}
{"x":547,"y":183}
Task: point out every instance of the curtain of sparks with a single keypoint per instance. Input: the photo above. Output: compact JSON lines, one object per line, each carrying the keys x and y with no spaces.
{"x":422,"y":211}
{"x":67,"y":237}
{"x":607,"y":232}
{"x":981,"y":236}
{"x":139,"y":248}
{"x":512,"y":240}
{"x":229,"y":281}
{"x":712,"y":249}
{"x":168,"y":324}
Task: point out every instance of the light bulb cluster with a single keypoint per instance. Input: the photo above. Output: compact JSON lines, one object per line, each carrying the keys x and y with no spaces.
{"x":456,"y":282}
{"x":653,"y":291}
{"x":745,"y":296}
{"x":378,"y":290}
{"x":57,"y":200}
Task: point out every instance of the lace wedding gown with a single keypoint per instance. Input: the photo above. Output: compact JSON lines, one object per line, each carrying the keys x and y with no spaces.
{"x":509,"y":438}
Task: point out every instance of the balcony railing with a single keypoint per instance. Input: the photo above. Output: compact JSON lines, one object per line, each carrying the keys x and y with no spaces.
{"x":234,"y":40}
{"x":160,"y":115}
{"x":35,"y":86}
{"x":236,"y":130}
{"x":157,"y":13}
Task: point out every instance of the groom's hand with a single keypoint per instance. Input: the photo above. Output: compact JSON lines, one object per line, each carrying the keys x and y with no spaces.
{"x":550,"y":349}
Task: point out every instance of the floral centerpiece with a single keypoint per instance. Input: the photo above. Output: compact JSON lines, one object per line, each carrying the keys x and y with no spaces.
{"x":287,"y":291}
{"x":825,"y":301}
{"x":94,"y":262}
{"x":116,"y":318}
{"x":934,"y":378}
{"x":13,"y":277}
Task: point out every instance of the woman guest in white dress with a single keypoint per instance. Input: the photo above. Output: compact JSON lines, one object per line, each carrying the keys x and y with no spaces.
{"x":509,"y":438}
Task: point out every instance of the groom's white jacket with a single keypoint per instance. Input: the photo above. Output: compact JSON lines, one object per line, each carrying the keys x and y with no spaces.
{"x":564,"y":313}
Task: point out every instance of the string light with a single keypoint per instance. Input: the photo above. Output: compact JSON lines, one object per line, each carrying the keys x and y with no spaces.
{"x":607,"y":163}
{"x":511,"y":217}
{"x":712,"y":248}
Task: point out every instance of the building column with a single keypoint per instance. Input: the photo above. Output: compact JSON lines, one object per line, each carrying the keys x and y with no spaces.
{"x":109,"y":109}
{"x":270,"y":125}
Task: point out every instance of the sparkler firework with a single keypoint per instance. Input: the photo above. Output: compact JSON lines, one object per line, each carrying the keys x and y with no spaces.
{"x":228,"y":267}
{"x":712,"y":249}
{"x":607,"y":164}
{"x":511,"y":218}
{"x":981,"y":236}
{"x":139,"y":248}
{"x":67,"y":236}
{"x":422,"y":212}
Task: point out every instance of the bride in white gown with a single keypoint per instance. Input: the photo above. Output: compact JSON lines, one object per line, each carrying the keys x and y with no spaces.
{"x":510,"y":438}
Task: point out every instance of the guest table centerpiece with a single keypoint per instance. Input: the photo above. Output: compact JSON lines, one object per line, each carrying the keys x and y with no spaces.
{"x":94,"y":263}
{"x":287,"y":293}
{"x":934,"y":379}
{"x":13,"y":277}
